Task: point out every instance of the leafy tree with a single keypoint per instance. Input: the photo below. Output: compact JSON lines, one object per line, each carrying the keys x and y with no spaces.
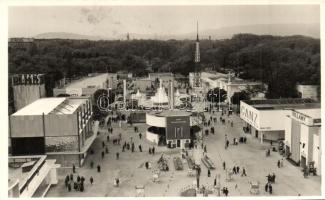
{"x":239,"y":96}
{"x":213,"y":95}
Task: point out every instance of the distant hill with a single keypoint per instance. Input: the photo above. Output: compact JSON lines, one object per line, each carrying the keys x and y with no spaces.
{"x":64,"y":35}
{"x":311,"y":30}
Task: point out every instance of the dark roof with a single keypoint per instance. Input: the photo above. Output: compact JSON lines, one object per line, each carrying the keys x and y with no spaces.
{"x":280,"y":101}
{"x":277,"y":104}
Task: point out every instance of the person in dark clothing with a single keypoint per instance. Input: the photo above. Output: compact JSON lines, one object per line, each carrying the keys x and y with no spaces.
{"x":73,"y":168}
{"x":106,"y":149}
{"x":227,"y":143}
{"x":140,"y":148}
{"x":270,"y":188}
{"x":244,"y":172}
{"x":132,"y":147}
{"x":205,"y":148}
{"x":215,"y":182}
{"x":117,"y":155}
{"x":78,"y":178}
{"x":149,"y":150}
{"x":71,"y":177}
{"x":234,"y":170}
{"x":107,"y":138}
{"x":103,"y":154}
{"x":66,"y":181}
{"x":103,"y":144}
{"x":226,"y":191}
{"x":147,"y":165}
{"x":237,"y":170}
{"x":69,"y":187}
{"x":153,"y":150}
{"x":140,"y":136}
{"x":266,"y":187}
{"x":91,"y":180}
{"x":224,"y":165}
{"x":209,"y":173}
{"x":279,"y":163}
{"x":98,"y":168}
{"x":81,"y":189}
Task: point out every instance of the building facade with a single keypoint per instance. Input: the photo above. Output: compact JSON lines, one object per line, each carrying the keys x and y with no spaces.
{"x":58,"y":127}
{"x":265,"y":119}
{"x":27,"y":88}
{"x":303,"y":137}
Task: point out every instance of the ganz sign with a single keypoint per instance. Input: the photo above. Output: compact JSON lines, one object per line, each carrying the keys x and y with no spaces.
{"x":27,"y":79}
{"x":249,"y":115}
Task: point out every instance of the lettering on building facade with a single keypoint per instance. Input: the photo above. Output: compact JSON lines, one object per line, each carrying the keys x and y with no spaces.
{"x":27,"y":79}
{"x":249,"y":116}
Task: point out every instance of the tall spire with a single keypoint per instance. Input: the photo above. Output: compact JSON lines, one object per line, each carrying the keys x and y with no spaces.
{"x":197,"y":31}
{"x":197,"y":45}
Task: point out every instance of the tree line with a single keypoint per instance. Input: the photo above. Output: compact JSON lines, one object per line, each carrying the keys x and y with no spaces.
{"x":279,"y":62}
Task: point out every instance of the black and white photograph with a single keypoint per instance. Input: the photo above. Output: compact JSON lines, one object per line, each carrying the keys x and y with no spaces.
{"x":110,"y":99}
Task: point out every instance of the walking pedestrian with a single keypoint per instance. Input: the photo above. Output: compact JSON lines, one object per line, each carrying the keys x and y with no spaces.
{"x":117,"y":155}
{"x":281,"y":163}
{"x":140,"y":136}
{"x":227,"y":143}
{"x":71,"y":177}
{"x":237,"y":170}
{"x":147,"y":165}
{"x":234,"y":170}
{"x":215,"y":182}
{"x":205,"y":148}
{"x":149,"y":150}
{"x":69,"y":186}
{"x":98,"y":168}
{"x":224,"y":165}
{"x":106,"y":149}
{"x":103,"y":144}
{"x":270,"y":188}
{"x":278,"y":163}
{"x":91,"y":179}
{"x":107,"y":138}
{"x":266,"y":187}
{"x":226,"y":191}
{"x":209,"y":173}
{"x":73,"y":168}
{"x":153,"y":150}
{"x":244,"y":172}
{"x":140,"y":148}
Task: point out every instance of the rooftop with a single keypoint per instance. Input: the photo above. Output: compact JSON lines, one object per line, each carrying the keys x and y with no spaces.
{"x":52,"y":105}
{"x":94,"y":81}
{"x":277,"y":104}
{"x":40,"y":106}
{"x":170,"y":113}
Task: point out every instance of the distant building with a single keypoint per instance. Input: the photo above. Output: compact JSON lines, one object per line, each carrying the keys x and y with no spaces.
{"x":59,"y":127}
{"x":87,"y":86}
{"x":265,"y":119}
{"x":165,"y":77}
{"x":21,"y":43}
{"x":27,"y":88}
{"x":143,"y":84}
{"x":121,"y":75}
{"x":309,"y":91}
{"x":303,"y":137}
{"x":31,"y":176}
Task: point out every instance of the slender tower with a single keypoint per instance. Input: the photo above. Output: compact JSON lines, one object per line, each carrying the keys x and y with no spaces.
{"x":197,"y":75}
{"x":197,"y":46}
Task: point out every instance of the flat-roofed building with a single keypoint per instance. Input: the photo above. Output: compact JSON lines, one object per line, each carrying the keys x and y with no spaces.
{"x":58,"y":127}
{"x":87,"y":86}
{"x":303,"y":137}
{"x":31,"y":176}
{"x":265,"y":119}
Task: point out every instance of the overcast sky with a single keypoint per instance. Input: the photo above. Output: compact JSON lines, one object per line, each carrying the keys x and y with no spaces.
{"x":114,"y":21}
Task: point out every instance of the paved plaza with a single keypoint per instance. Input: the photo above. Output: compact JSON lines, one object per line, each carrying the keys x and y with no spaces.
{"x":132,"y":172}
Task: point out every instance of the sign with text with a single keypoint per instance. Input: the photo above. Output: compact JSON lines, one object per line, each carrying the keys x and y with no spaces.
{"x":305,"y":119}
{"x":177,"y":127}
{"x":27,"y":79}
{"x":249,"y":114}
